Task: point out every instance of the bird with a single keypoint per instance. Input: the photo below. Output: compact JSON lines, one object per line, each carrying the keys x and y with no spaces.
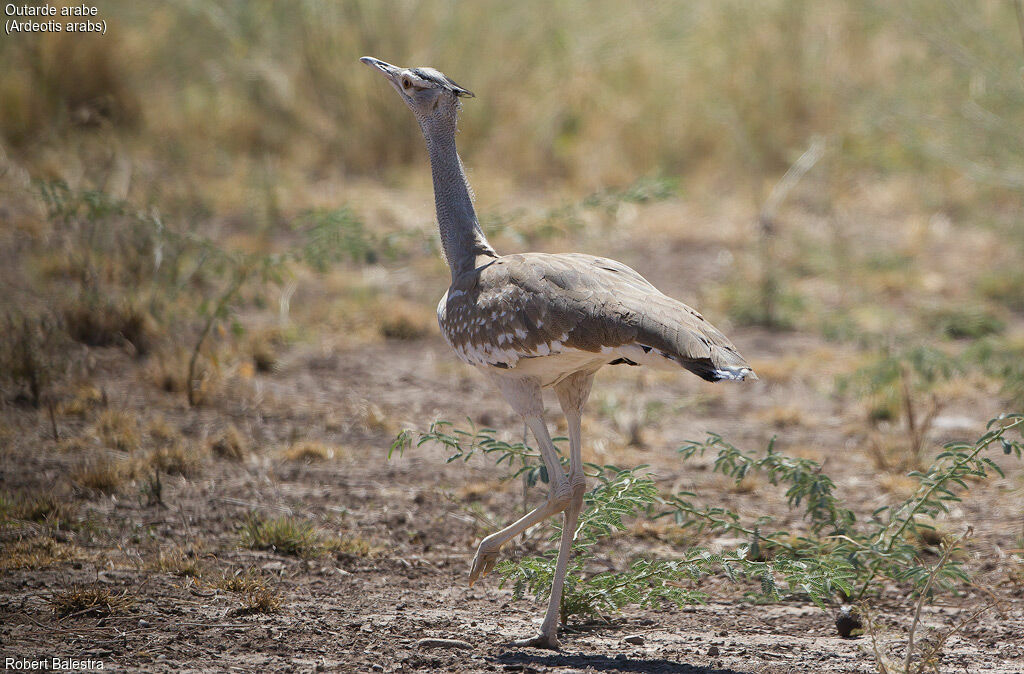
{"x":530,"y":321}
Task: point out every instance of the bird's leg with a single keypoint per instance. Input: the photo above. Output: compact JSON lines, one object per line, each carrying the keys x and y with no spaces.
{"x":572,"y":394}
{"x":558,"y":500}
{"x":548,"y":637}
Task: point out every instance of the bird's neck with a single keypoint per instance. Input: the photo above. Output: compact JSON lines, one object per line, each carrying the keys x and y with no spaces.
{"x":461,"y":237}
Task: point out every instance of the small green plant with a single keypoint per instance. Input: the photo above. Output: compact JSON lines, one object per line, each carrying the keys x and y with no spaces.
{"x":619,"y":495}
{"x":334,"y":235}
{"x":837,"y":554}
{"x":285,"y":535}
{"x":521,"y":459}
{"x":966,"y":323}
{"x":882,"y":547}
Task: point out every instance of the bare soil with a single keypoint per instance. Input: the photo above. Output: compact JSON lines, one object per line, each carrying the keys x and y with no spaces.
{"x":368,"y":612}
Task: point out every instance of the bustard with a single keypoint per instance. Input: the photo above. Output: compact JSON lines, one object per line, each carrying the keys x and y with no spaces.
{"x":531,"y":321}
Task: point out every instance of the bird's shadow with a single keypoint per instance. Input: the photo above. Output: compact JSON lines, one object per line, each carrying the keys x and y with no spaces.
{"x":603,"y":663}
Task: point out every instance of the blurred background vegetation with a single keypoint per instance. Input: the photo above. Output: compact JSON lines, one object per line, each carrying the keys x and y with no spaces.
{"x":170,"y":172}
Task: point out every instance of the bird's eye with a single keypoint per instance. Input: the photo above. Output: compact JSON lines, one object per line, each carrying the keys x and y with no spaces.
{"x":406,"y":83}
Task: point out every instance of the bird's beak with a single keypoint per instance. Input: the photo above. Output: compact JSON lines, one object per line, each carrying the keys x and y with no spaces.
{"x":390,"y":71}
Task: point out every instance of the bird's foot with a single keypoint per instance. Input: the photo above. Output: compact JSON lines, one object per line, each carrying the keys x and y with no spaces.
{"x":483,"y":562}
{"x":548,"y":641}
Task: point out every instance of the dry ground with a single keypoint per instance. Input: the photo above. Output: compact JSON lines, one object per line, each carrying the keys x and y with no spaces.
{"x":367,"y":610}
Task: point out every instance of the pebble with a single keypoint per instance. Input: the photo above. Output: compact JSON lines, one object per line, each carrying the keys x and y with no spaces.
{"x":713,"y":651}
{"x":143,"y":622}
{"x":635,"y":639}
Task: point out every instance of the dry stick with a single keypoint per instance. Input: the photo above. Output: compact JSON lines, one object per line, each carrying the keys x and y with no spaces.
{"x":942,"y":640}
{"x":949,"y":547}
{"x":908,"y":406}
{"x":240,"y":278}
{"x":879,"y":660}
{"x":766,"y":219}
{"x":53,"y":420}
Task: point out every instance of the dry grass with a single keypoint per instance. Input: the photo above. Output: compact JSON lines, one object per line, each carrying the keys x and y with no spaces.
{"x":899,"y":485}
{"x":308,"y":451}
{"x":85,"y":399}
{"x":402,"y":320}
{"x":168,"y":372}
{"x":36,"y":552}
{"x":782,"y":416}
{"x":42,"y":508}
{"x":655,"y":531}
{"x":261,"y":600}
{"x":182,"y":457}
{"x":230,"y":444}
{"x":178,"y":562}
{"x":483,"y":490}
{"x":110,"y":324}
{"x":162,"y":432}
{"x":100,"y":475}
{"x":257,"y":597}
{"x":240,"y":580}
{"x":89,"y":600}
{"x":263,"y":348}
{"x":118,"y":429}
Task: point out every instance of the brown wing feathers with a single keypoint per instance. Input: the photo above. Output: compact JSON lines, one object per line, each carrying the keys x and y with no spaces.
{"x":534,"y":304}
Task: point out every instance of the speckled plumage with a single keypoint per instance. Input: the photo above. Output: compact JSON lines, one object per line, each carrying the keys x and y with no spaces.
{"x":588,"y":309}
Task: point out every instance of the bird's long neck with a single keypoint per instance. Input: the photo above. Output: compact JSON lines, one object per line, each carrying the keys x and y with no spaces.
{"x":461,"y":236}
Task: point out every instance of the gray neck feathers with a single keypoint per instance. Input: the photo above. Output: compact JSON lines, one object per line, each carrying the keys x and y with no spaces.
{"x":461,"y":236}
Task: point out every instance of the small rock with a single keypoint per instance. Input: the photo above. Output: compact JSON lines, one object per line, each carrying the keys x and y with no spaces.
{"x":443,"y":643}
{"x":723,"y":633}
{"x":621,"y":656}
{"x":161,"y":657}
{"x":377,"y":668}
{"x":714,"y":652}
{"x":635,"y":639}
{"x":143,"y":622}
{"x":848,"y":622}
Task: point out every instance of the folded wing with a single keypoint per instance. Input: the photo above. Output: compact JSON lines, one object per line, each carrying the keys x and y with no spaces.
{"x":534,"y":305}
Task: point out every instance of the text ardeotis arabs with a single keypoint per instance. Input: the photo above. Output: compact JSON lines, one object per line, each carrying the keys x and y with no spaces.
{"x":534,"y":320}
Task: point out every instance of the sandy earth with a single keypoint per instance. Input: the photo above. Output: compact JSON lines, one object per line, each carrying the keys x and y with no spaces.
{"x":369,"y":612}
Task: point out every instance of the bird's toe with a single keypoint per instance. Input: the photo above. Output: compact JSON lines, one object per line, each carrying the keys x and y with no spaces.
{"x":548,"y":641}
{"x":483,"y":562}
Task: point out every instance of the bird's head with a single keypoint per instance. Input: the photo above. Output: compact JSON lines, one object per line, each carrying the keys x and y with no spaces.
{"x":429,"y":93}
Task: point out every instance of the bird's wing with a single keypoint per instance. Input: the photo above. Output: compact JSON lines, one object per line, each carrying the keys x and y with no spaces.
{"x":530,"y":305}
